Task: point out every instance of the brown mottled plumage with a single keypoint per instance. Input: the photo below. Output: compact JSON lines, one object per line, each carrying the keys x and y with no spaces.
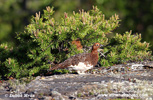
{"x":81,"y":62}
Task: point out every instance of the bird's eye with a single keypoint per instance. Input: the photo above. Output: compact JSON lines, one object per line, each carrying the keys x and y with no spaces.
{"x":97,"y":45}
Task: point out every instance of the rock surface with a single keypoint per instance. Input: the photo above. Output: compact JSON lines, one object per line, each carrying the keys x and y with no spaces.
{"x":131,"y":80}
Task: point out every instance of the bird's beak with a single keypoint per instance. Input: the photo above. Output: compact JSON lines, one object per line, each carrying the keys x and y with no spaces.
{"x":101,"y":45}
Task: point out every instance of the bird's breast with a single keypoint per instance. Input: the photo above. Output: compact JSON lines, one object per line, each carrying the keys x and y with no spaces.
{"x":81,"y":66}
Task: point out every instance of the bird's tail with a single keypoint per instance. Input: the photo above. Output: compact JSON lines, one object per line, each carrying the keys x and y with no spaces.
{"x":57,"y":66}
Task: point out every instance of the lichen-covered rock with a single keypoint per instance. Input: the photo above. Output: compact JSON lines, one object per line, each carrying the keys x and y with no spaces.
{"x":118,"y":81}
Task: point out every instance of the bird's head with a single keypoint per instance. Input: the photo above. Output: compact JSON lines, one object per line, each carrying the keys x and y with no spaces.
{"x":96,"y":46}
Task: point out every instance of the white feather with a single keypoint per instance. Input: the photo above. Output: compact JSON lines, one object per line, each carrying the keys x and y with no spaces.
{"x":81,"y":67}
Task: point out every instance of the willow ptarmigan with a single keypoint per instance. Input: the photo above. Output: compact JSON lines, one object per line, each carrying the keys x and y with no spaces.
{"x":81,"y":62}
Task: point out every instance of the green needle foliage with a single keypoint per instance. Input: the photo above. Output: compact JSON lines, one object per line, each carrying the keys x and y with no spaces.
{"x":46,"y":41}
{"x":126,"y":48}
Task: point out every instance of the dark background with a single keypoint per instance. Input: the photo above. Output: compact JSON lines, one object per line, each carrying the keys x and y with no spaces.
{"x":135,"y":15}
